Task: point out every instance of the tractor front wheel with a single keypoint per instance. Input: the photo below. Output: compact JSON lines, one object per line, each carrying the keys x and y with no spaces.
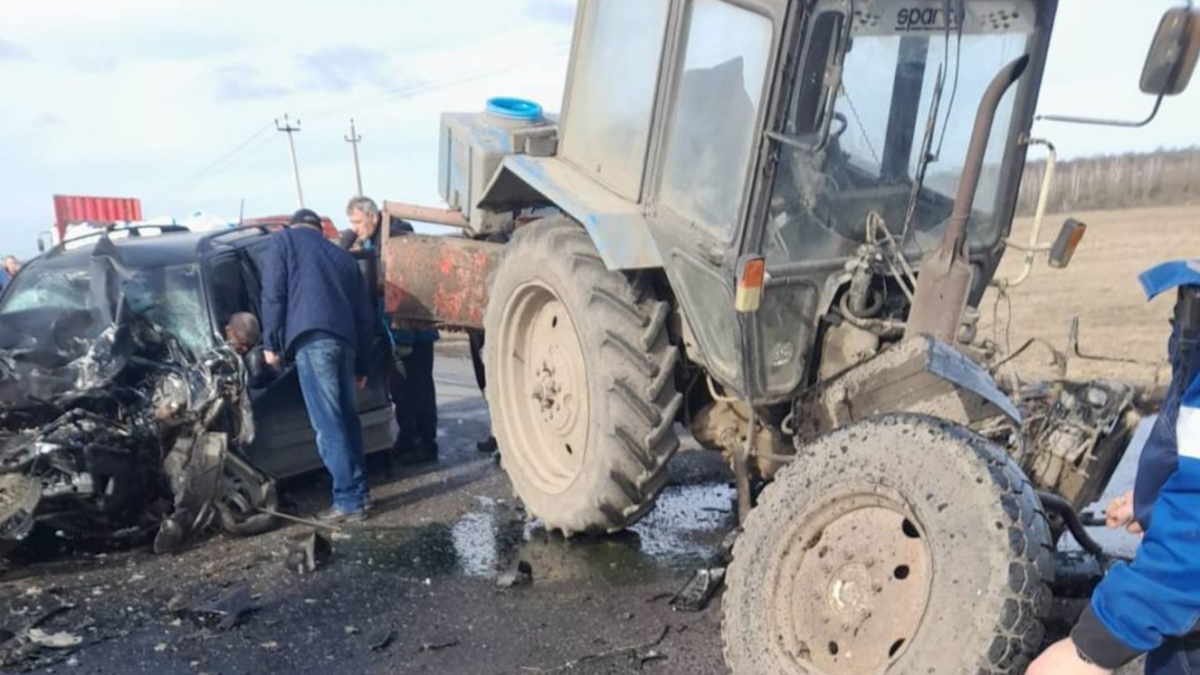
{"x":901,"y":544}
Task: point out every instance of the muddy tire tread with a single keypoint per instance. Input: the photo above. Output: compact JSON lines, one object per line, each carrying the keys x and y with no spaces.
{"x":637,"y":360}
{"x":1027,"y":598}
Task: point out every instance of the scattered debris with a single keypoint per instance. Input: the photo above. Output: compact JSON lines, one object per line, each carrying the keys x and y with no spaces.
{"x":223,"y":611}
{"x":62,"y":640}
{"x":176,"y":603}
{"x":379,"y":638}
{"x":438,"y":646}
{"x":699,"y":590}
{"x":643,"y":653}
{"x":308,"y":553}
{"x":520,"y":575}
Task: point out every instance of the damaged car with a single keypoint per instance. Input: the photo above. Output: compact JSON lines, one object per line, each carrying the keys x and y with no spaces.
{"x":124,"y":415}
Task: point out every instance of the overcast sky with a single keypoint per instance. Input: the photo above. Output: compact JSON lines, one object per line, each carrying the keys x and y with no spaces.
{"x":174,"y":101}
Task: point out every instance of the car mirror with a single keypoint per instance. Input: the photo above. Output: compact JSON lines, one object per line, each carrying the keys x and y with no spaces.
{"x":1065,"y":244}
{"x":1172,"y":56}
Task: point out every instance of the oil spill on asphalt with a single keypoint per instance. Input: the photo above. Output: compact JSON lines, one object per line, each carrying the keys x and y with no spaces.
{"x":682,"y":533}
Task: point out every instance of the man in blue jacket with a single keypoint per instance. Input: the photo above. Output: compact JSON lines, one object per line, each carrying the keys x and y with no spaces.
{"x":315,"y":309}
{"x":1152,"y":605}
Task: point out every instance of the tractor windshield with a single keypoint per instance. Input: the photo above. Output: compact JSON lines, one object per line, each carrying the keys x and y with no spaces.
{"x":902,"y":65}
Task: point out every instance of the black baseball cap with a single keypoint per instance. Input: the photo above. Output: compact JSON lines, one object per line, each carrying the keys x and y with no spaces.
{"x":306,"y":217}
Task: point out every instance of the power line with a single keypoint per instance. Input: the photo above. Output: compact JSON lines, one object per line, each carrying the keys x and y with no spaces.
{"x":429,"y":86}
{"x":229,"y":154}
{"x":258,"y":138}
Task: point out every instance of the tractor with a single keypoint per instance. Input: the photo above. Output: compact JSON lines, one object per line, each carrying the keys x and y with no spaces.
{"x":770,"y":222}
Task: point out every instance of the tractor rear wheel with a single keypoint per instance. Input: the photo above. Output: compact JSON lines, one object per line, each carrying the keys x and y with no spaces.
{"x":901,"y":544}
{"x":581,"y":382}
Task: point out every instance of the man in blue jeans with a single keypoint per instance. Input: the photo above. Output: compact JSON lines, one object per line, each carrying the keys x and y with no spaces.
{"x":1152,"y":605}
{"x":315,"y":309}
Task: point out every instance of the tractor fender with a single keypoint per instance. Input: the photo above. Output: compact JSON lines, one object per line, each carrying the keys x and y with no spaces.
{"x":616,"y":225}
{"x":918,"y":375}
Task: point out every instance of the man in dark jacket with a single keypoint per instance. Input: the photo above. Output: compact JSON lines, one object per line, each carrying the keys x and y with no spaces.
{"x":414,"y":396}
{"x":315,"y":310}
{"x":1152,"y":605}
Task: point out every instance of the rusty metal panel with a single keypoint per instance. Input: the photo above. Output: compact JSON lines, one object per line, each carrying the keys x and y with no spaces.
{"x":440,"y":280}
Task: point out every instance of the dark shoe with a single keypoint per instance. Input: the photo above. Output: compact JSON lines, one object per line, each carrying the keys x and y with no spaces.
{"x":334,"y":515}
{"x":420,"y":453}
{"x":402,"y":446}
{"x":489,"y":446}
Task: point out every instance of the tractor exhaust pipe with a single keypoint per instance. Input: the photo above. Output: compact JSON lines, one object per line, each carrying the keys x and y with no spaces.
{"x":945,"y":275}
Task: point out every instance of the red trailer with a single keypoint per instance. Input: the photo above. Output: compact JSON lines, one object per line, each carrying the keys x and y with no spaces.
{"x":71,"y":209}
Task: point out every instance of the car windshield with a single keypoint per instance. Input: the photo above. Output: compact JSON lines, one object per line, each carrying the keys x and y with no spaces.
{"x":897,"y":54}
{"x":168,"y":297}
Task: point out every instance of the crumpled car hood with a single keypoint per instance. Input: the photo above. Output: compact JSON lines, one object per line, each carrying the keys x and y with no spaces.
{"x":93,"y":401}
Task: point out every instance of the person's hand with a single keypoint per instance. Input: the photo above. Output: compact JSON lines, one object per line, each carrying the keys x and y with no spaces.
{"x":272,"y":358}
{"x":1120,"y":514}
{"x":1061,"y":658}
{"x":362,"y":382}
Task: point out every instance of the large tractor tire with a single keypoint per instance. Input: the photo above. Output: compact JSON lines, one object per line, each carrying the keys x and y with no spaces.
{"x":902,"y":544}
{"x":581,"y":382}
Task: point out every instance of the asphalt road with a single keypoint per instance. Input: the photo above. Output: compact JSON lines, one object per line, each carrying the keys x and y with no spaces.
{"x":422,"y":569}
{"x":422,"y":572}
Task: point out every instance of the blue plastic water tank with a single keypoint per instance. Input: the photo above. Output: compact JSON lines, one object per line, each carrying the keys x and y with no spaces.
{"x":517,"y":109}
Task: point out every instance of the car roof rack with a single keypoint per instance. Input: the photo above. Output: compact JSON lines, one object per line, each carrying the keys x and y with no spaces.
{"x":241,"y":232}
{"x":132,"y":230}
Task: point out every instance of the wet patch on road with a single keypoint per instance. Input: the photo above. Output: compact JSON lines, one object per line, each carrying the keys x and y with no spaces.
{"x":682,"y":533}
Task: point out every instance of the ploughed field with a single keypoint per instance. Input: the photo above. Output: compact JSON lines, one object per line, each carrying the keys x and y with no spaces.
{"x":1100,"y":287}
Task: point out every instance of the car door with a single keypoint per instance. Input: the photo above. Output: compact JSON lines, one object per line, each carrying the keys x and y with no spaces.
{"x":284,"y":441}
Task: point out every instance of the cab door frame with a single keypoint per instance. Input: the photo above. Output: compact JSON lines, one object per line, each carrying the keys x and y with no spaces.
{"x":700,"y":258}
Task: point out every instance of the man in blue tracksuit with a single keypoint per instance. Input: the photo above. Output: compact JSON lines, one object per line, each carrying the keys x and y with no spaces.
{"x":1152,"y":605}
{"x":315,"y":309}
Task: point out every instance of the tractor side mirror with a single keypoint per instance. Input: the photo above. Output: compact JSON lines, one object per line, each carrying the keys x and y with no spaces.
{"x":1172,"y":57}
{"x":1169,"y":66}
{"x":1065,"y":244}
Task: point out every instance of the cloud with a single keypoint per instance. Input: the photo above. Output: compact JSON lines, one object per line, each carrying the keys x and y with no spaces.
{"x":342,"y":68}
{"x":49,"y":120}
{"x":245,"y":83}
{"x":13,"y":52}
{"x":552,"y":11}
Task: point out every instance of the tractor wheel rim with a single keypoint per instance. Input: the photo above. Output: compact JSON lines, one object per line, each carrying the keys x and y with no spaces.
{"x":852,"y":586}
{"x":543,"y":388}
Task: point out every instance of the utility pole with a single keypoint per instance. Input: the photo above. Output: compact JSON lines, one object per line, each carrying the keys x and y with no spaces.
{"x":353,"y":139}
{"x":289,"y":130}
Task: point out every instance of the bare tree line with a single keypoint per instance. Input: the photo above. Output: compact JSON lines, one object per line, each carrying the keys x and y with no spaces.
{"x":1160,"y":178}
